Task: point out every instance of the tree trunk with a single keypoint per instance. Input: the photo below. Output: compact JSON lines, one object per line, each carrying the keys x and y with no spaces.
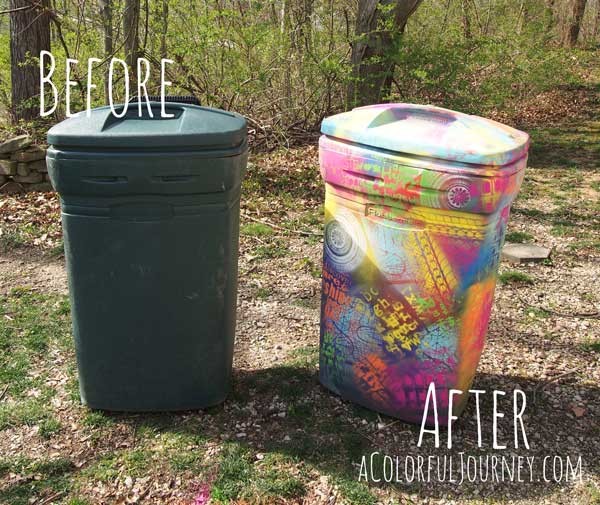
{"x":164,"y":29}
{"x":378,"y":24}
{"x":596,"y":29}
{"x":572,"y":25}
{"x":29,"y":34}
{"x":131,"y":18}
{"x":107,"y":22}
{"x":466,"y":19}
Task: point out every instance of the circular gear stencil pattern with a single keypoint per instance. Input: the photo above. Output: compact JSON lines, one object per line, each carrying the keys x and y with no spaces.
{"x":345,"y":242}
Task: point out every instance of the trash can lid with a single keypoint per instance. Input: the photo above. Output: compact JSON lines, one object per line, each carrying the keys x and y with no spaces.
{"x":192,"y":127}
{"x":425,"y":130}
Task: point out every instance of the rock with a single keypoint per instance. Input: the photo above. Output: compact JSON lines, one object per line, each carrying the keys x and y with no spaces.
{"x":3,"y":179}
{"x":40,"y":186}
{"x":522,"y":253}
{"x":33,"y":153}
{"x":8,"y":167}
{"x":23,"y":169}
{"x":32,"y":177}
{"x":11,"y":188}
{"x":38,"y":166}
{"x":15,"y":144}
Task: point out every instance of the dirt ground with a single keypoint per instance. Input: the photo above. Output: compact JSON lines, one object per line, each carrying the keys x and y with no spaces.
{"x":281,"y":437}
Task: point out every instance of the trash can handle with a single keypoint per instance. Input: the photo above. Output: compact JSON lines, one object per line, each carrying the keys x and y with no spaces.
{"x":189,"y":99}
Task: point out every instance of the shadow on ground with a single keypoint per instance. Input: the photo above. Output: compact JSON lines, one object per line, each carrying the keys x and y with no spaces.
{"x":332,"y":435}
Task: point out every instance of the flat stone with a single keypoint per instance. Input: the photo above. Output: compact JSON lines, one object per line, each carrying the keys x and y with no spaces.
{"x":15,"y":144}
{"x":523,"y":253}
{"x":38,"y":166}
{"x":11,"y":188}
{"x":8,"y":167}
{"x":32,"y":177}
{"x":40,"y":186}
{"x":33,"y":153}
{"x":23,"y":169}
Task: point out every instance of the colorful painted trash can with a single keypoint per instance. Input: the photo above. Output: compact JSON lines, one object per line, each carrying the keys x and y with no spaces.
{"x":416,"y":207}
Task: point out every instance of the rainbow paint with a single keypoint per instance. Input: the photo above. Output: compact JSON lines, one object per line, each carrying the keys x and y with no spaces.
{"x":416,"y":207}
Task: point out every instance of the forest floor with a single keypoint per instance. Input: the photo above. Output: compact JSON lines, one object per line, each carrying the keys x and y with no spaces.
{"x":280,"y":437}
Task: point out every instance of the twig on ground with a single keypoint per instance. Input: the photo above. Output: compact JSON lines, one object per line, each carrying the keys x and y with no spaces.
{"x":545,"y":384}
{"x":52,"y":497}
{"x":249,"y":271}
{"x":280,"y":228}
{"x":3,"y":393}
{"x":582,"y":315}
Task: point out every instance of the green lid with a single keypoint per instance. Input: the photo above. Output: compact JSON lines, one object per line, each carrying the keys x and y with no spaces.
{"x":191,"y":127}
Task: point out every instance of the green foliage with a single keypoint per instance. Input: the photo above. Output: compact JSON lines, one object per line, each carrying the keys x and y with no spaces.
{"x":518,"y":237}
{"x":288,"y":68}
{"x":515,"y":277}
{"x":30,"y":324}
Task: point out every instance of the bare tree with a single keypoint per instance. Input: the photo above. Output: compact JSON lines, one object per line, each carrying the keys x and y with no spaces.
{"x":572,"y":24}
{"x":596,"y":26}
{"x":29,"y":34}
{"x":378,"y":24}
{"x":131,"y":19}
{"x":466,"y":19}
{"x":107,"y":23}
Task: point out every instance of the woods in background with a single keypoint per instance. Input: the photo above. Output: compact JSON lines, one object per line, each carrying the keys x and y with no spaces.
{"x":288,"y":63}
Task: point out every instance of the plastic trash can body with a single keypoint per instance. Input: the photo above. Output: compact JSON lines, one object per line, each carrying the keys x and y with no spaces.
{"x":151,"y":245}
{"x":416,"y":207}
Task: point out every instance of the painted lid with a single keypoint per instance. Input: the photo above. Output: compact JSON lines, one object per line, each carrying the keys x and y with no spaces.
{"x":191,"y":127}
{"x":425,"y":130}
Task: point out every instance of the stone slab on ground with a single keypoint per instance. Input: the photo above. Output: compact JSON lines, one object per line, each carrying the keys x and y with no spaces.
{"x":40,"y":186}
{"x":11,"y":188}
{"x":16,"y":143}
{"x":23,"y":169}
{"x":33,"y":153}
{"x":523,"y":253}
{"x":38,"y":166}
{"x":8,"y":167}
{"x":31,"y":178}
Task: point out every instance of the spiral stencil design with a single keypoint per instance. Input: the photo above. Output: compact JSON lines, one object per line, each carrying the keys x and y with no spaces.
{"x":345,"y":241}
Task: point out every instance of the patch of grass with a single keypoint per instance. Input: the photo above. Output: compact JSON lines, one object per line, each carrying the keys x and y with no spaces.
{"x":78,"y":501}
{"x":518,"y":237}
{"x":57,"y":251}
{"x":49,"y":427}
{"x":309,"y":265}
{"x":97,"y":419}
{"x":592,"y":345}
{"x":27,"y":412}
{"x":307,"y":356}
{"x":235,"y":474}
{"x":134,"y":463}
{"x":256,"y":230}
{"x":584,"y":244}
{"x":534,"y":213}
{"x":186,"y":459}
{"x":263,"y":293}
{"x":537,"y":312}
{"x":301,"y":410}
{"x":307,"y":303}
{"x":355,"y":492}
{"x":561,"y":230}
{"x":12,"y":239}
{"x":515,"y":277}
{"x":40,"y":478}
{"x":31,"y":323}
{"x":276,"y":249}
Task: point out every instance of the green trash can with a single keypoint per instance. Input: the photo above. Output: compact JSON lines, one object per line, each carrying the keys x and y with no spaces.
{"x":150,"y":215}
